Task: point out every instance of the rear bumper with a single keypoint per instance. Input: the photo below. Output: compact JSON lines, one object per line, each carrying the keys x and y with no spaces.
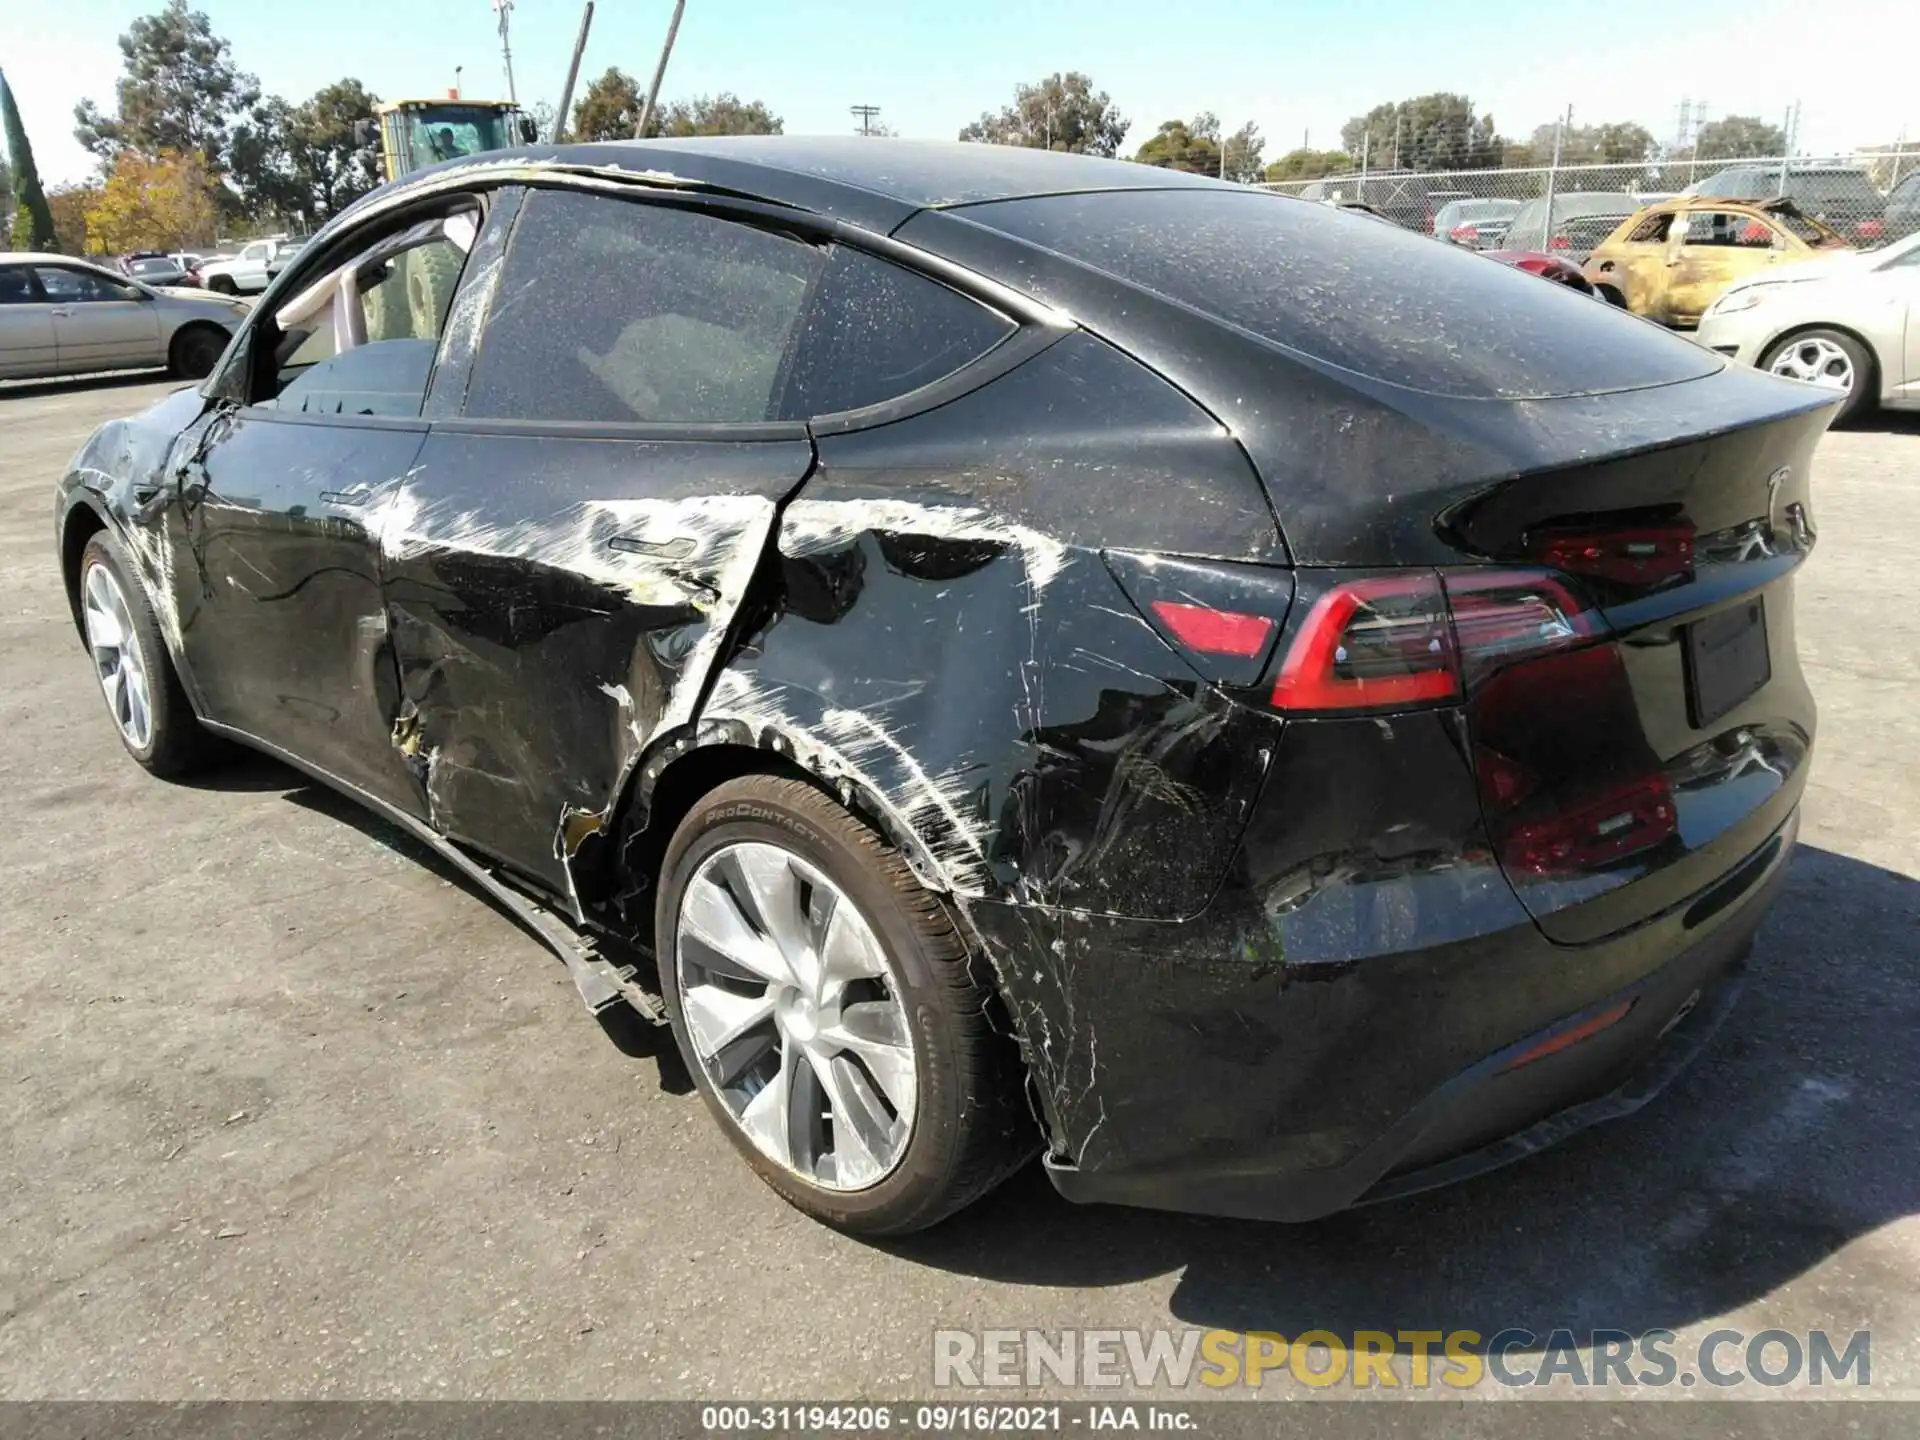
{"x":1202,"y":1136}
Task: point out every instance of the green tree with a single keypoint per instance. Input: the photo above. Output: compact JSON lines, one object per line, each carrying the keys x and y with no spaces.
{"x":1244,"y":150}
{"x":1190,"y":145}
{"x":1737,"y":137}
{"x":609,"y":110}
{"x":1062,"y":112}
{"x":1305,"y":164}
{"x":300,"y":163}
{"x":32,"y":227}
{"x":1429,"y":132}
{"x":722,"y":114}
{"x":180,"y":91}
{"x":1619,"y":142}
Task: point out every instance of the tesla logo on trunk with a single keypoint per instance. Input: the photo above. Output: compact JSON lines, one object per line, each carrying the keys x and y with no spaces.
{"x":1774,"y":482}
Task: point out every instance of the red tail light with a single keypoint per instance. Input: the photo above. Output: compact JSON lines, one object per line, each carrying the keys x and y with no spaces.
{"x":1215,"y":632}
{"x":1464,"y":234}
{"x":1371,"y":644}
{"x":1559,"y":242}
{"x":1502,"y":616}
{"x":1870,"y":230}
{"x":1425,"y":637}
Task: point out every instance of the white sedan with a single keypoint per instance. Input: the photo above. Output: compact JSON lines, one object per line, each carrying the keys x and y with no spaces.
{"x":1849,"y":322}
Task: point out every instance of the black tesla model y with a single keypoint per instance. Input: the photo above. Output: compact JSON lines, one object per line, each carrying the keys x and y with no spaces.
{"x":1004,"y":652}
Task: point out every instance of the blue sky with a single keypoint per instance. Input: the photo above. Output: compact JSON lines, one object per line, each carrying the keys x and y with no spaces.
{"x":1293,"y":68}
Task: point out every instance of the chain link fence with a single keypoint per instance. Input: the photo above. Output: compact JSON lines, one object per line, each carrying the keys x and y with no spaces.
{"x":1872,"y":197}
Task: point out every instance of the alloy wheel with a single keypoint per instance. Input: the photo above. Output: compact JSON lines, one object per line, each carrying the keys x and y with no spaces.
{"x":117,"y":661}
{"x":1816,"y":360}
{"x":796,"y":1016}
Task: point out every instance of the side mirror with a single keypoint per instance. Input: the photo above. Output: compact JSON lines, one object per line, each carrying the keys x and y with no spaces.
{"x":529,"y":132}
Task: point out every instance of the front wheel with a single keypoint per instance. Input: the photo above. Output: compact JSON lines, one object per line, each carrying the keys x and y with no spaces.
{"x":1828,"y":358}
{"x":831,"y":1014}
{"x":149,"y":708}
{"x":223,"y":285}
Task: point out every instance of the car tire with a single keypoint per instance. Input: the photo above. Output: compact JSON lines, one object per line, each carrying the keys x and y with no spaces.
{"x":195,"y":351}
{"x":1806,"y":352}
{"x":145,"y":700}
{"x":963,"y":1127}
{"x":223,"y":285}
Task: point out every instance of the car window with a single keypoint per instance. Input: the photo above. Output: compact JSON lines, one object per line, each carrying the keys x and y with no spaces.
{"x":16,"y":286}
{"x":876,"y":331}
{"x":1725,"y":227}
{"x":71,"y":287}
{"x":361,"y":338}
{"x":254,"y":252}
{"x":617,"y":311}
{"x":1282,"y":270}
{"x":1650,"y":231}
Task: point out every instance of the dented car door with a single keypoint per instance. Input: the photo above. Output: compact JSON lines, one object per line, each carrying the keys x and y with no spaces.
{"x":567,"y":554}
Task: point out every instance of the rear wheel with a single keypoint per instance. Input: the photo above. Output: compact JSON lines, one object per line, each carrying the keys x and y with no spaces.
{"x":223,"y":285}
{"x":831,"y":1014}
{"x":149,"y":709}
{"x":195,"y":351}
{"x":1828,"y":358}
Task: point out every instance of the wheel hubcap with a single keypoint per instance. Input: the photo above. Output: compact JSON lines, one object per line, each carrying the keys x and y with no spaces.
{"x":117,"y":660}
{"x":1816,"y":361}
{"x":795,"y":1014}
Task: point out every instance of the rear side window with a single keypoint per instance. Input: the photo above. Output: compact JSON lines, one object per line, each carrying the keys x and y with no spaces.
{"x":1373,"y":299}
{"x":16,"y":286}
{"x":876,"y":331}
{"x":615,"y":311}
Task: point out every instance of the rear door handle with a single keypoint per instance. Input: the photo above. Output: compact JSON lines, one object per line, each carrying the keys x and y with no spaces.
{"x":62,"y":312}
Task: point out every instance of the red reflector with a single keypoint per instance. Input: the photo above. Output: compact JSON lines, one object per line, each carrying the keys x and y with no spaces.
{"x":1870,"y":229}
{"x":1371,"y":643}
{"x":1585,"y":1030}
{"x":1559,"y":242}
{"x":1215,"y":632}
{"x":1589,"y":833}
{"x":1628,"y":555}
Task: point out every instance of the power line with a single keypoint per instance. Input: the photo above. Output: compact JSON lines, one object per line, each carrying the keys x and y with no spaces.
{"x":864,"y":114}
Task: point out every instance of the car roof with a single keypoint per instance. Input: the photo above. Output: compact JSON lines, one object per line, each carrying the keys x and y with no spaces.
{"x":864,"y":180}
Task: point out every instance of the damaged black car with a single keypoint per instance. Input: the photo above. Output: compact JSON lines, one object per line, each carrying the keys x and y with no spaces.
{"x":1004,"y":652}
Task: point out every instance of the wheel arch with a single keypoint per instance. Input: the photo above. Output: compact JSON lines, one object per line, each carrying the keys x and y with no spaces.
{"x":81,"y":522}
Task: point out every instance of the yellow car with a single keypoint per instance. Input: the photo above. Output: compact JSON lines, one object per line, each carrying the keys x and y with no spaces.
{"x":1671,"y":261}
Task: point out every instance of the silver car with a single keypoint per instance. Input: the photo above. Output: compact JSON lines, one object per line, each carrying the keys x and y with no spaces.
{"x":61,"y":316}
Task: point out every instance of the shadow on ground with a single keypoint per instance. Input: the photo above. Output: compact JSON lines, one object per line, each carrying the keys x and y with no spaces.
{"x":250,"y":772}
{"x":1795,"y":1133}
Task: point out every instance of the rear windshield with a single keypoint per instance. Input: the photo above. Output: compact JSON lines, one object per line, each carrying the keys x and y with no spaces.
{"x":1345,"y":290}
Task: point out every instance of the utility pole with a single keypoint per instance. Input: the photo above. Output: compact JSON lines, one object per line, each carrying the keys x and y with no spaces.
{"x":864,"y":114}
{"x":1787,"y":132}
{"x":573,"y":74}
{"x":1553,"y":170}
{"x":456,"y":80}
{"x":504,"y":9}
{"x":659,"y":71}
